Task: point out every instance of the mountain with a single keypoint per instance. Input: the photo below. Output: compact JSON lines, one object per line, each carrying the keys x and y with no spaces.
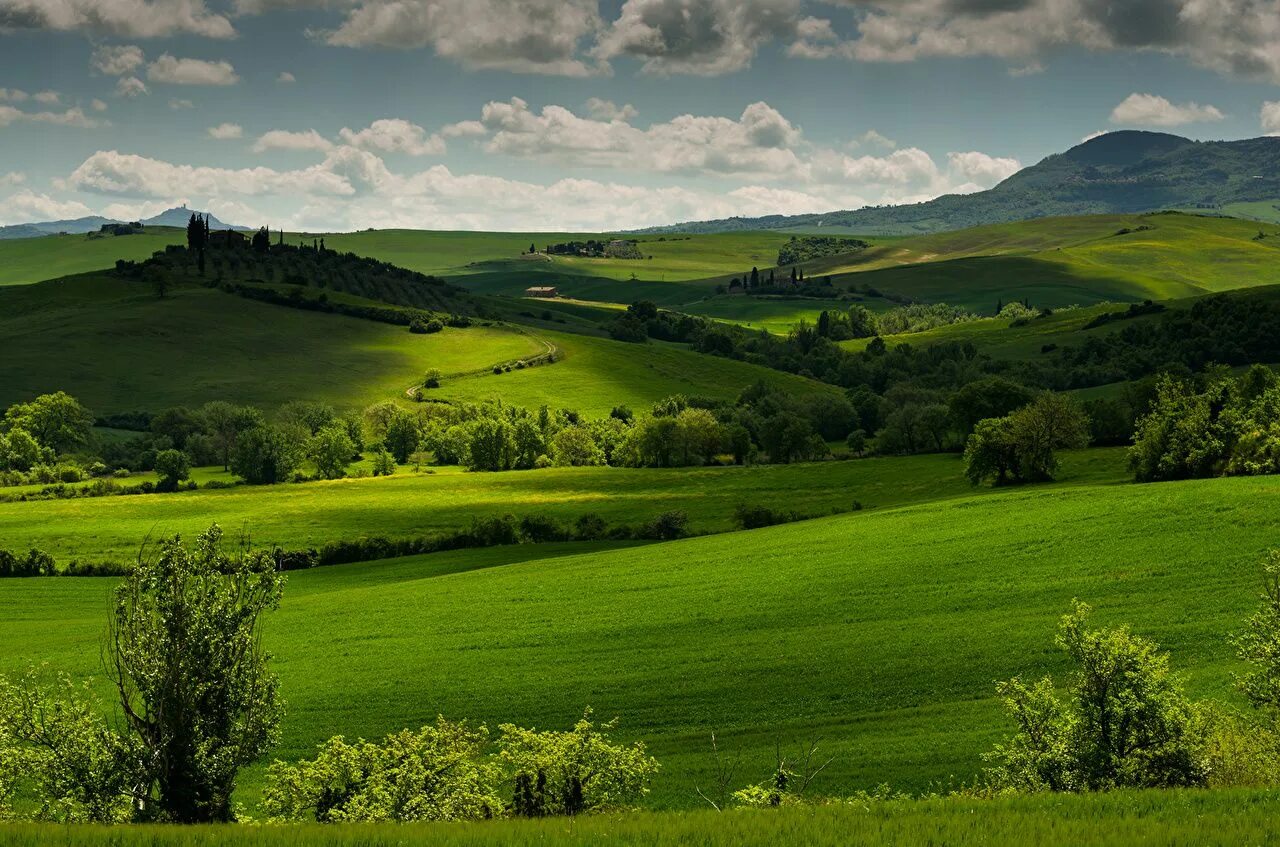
{"x":1116,"y":173}
{"x":177,"y":216}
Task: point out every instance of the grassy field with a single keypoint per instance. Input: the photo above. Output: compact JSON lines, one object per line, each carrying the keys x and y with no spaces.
{"x":883,"y":632}
{"x":116,"y":347}
{"x":412,"y":504}
{"x":668,"y":258}
{"x":26,"y":260}
{"x":1117,"y":819}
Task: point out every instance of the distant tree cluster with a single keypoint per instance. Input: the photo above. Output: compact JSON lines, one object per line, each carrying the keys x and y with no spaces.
{"x":805,"y":248}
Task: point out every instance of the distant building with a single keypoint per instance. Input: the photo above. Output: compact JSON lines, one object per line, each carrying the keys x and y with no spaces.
{"x":542,"y":291}
{"x":228,"y":238}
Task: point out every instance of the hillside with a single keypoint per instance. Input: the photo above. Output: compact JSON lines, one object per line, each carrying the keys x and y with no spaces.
{"x":1119,"y":172}
{"x":889,"y":653}
{"x":175,"y":217}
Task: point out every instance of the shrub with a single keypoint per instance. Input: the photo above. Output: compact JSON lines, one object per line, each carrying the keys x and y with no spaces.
{"x":542,"y":528}
{"x":173,"y":467}
{"x":432,"y":379}
{"x":755,"y":517}
{"x":589,"y":527}
{"x":667,"y":526}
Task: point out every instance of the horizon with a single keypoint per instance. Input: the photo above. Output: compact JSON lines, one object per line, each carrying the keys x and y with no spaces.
{"x":589,"y":116}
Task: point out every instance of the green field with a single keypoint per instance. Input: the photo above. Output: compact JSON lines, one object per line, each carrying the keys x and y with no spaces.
{"x":883,"y":632}
{"x":1116,"y":819}
{"x":446,"y":499}
{"x":115,"y":346}
{"x":25,"y":260}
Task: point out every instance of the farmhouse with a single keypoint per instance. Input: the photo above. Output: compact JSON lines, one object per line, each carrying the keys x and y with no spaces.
{"x":541,"y":291}
{"x":228,"y":238}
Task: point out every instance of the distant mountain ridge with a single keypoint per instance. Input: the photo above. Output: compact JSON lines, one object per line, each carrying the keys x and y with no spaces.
{"x":1117,"y":173}
{"x":177,"y":216}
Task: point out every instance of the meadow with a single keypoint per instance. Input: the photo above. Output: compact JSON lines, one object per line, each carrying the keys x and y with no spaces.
{"x":882,"y":632}
{"x":1117,"y":819}
{"x":27,"y":260}
{"x":410,"y":504}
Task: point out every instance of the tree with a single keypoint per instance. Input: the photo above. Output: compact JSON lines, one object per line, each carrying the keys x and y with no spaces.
{"x":699,"y":435}
{"x":57,"y":421}
{"x":172,"y":466}
{"x":491,"y":445}
{"x":402,"y":436}
{"x":1259,"y":644}
{"x":311,"y":416}
{"x":331,"y":450}
{"x":992,"y":397}
{"x":177,"y":423}
{"x":574,"y":446}
{"x":262,"y":240}
{"x":19,"y":451}
{"x":1050,"y":422}
{"x":990,"y":453}
{"x":267,"y":454}
{"x":755,"y":278}
{"x":786,"y":437}
{"x":379,"y":417}
{"x":193,"y":679}
{"x":225,"y":422}
{"x":1126,"y":724}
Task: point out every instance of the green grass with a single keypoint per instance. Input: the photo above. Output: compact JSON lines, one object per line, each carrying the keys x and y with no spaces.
{"x":1116,"y":819}
{"x":596,"y":374}
{"x":674,"y":258}
{"x":26,"y":260}
{"x":775,"y":314}
{"x":116,"y":347}
{"x":410,"y":504}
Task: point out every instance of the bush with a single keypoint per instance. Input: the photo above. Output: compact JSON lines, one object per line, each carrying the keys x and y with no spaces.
{"x":667,"y":526}
{"x":590,"y":527}
{"x":541,"y":528}
{"x":172,"y":466}
{"x":755,"y":517}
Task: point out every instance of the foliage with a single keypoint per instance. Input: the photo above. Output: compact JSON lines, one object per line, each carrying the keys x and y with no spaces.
{"x":439,"y":773}
{"x":56,"y":421}
{"x":568,"y":773}
{"x":193,"y":679}
{"x":1022,"y":446}
{"x":1126,"y":724}
{"x":1259,"y":644}
{"x":268,"y":454}
{"x":173,"y":467}
{"x":331,"y":449}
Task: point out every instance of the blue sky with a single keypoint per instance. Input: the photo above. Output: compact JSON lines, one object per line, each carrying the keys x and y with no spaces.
{"x":578,"y":114}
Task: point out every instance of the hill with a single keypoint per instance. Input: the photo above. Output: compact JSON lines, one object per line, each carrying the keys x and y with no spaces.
{"x":1119,"y":172}
{"x":883,"y":632}
{"x":175,"y":217}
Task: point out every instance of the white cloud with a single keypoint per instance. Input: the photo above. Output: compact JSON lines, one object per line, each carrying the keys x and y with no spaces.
{"x":528,"y":36}
{"x":47,"y":98}
{"x":177,"y":103}
{"x":26,"y":206}
{"x":141,"y":211}
{"x":280,"y":139}
{"x":191,"y":71}
{"x":130,"y":86}
{"x":117,"y":61}
{"x":97,"y":105}
{"x":1152,"y":110}
{"x":394,"y":135}
{"x":285,"y":78}
{"x":1093,"y":135}
{"x":14,"y":95}
{"x":706,"y":37}
{"x":463,"y":129}
{"x":74,"y":117}
{"x":12,"y":178}
{"x":607,"y":110}
{"x":1270,"y":117}
{"x":871,"y":138}
{"x":981,"y":169}
{"x":226,"y":131}
{"x":121,"y":18}
{"x":760,"y":142}
{"x":111,"y":172}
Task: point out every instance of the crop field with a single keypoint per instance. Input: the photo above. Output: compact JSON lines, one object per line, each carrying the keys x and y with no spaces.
{"x":27,"y":260}
{"x":408,"y":504}
{"x":882,"y":632}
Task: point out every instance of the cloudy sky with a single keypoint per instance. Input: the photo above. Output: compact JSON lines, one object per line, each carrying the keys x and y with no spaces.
{"x":591,"y":114}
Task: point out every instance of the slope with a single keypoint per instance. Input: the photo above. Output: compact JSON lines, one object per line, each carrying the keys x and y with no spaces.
{"x":881,"y":632}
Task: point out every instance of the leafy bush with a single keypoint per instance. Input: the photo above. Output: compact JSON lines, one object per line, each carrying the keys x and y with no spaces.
{"x":667,"y":526}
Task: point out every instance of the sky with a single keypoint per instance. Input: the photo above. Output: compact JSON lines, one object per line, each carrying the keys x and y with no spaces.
{"x":588,"y":115}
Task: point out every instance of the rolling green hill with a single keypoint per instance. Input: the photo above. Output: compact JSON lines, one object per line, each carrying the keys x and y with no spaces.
{"x":883,"y":632}
{"x":26,"y":260}
{"x":408,"y":505}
